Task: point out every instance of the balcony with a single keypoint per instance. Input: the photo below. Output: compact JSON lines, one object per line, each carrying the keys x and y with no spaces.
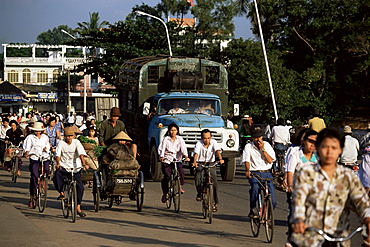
{"x":66,"y":61}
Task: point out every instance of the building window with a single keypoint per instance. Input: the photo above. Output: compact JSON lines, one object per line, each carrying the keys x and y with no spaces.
{"x":42,"y":76}
{"x":13,"y":76}
{"x":26,"y":75}
{"x":55,"y":75}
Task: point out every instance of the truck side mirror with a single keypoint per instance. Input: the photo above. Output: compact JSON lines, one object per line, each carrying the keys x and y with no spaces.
{"x":236,"y":109}
{"x":146,"y":108}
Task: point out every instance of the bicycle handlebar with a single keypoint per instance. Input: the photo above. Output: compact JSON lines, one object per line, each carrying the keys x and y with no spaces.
{"x":73,"y":169}
{"x":312,"y":231}
{"x":209,"y":164}
{"x":175,"y":161}
{"x":259,"y":177}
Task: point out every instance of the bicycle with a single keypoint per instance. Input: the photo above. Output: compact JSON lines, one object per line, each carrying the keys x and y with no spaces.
{"x":280,"y":161}
{"x":52,"y":163}
{"x":69,"y":203}
{"x":14,"y":152}
{"x":264,"y":209}
{"x":207,"y":194}
{"x":174,"y":187}
{"x":42,"y":187}
{"x":300,"y":239}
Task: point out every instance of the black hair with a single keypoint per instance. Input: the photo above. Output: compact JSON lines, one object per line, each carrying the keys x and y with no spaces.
{"x":13,"y":121}
{"x":51,"y":119}
{"x":171,"y":126}
{"x":206,"y":131}
{"x":280,"y":121}
{"x":308,"y":133}
{"x":5,"y":120}
{"x":329,"y":133}
{"x":92,"y":128}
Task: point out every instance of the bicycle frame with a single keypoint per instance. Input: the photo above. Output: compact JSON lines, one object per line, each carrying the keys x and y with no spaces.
{"x":174,"y":193}
{"x":207,"y":200}
{"x":70,"y":203}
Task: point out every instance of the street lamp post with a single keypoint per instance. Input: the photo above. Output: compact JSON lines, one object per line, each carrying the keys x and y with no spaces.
{"x":266,"y":61}
{"x":159,"y":19}
{"x":70,"y":35}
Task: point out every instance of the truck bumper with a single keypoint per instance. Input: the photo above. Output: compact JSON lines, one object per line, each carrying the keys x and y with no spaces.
{"x":230,"y":154}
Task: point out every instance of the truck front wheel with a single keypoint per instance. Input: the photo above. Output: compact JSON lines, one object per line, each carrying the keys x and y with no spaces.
{"x":228,"y":169}
{"x":155,"y":166}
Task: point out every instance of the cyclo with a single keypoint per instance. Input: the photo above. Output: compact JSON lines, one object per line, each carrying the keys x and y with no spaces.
{"x":113,"y":185}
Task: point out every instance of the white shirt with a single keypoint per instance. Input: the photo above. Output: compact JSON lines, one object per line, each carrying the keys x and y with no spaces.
{"x":71,"y":119}
{"x":229,"y":124}
{"x":255,"y":156}
{"x":70,"y":154}
{"x":172,"y":150}
{"x":364,"y":171}
{"x":83,"y":127}
{"x":350,"y":150}
{"x":179,"y":111}
{"x":280,"y":134}
{"x":3,"y":131}
{"x":35,"y":146}
{"x":206,"y":154}
{"x":297,"y":160}
{"x":79,"y":120}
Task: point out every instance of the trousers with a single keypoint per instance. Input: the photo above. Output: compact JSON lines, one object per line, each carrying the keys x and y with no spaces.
{"x":199,"y":181}
{"x":59,"y":180}
{"x":166,"y":170}
{"x":34,"y":170}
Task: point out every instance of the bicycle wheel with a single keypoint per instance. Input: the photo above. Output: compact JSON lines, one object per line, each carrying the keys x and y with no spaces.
{"x":14,"y":170}
{"x":96,"y":195}
{"x":210,"y":204}
{"x":51,"y":169}
{"x":42,"y":193}
{"x":65,"y":202}
{"x":205,"y":201}
{"x":170,"y":193}
{"x":176,"y":194}
{"x":139,"y":196}
{"x":269,"y":219}
{"x":73,"y":200}
{"x":256,"y":221}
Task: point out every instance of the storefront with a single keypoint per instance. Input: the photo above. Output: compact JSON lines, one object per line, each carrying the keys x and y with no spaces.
{"x":12,"y":99}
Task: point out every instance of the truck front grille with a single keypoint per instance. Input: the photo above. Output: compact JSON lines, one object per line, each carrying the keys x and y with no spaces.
{"x":191,"y":137}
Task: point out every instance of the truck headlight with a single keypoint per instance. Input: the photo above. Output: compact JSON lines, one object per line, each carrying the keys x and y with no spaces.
{"x":230,"y":143}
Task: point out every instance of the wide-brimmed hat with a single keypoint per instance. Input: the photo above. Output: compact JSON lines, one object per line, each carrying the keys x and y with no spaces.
{"x":90,"y":118}
{"x":347,"y":129}
{"x":122,"y":136}
{"x":256,"y":131}
{"x":115,"y":112}
{"x":23,"y":120}
{"x":38,"y":126}
{"x":69,"y":131}
{"x":76,"y":129}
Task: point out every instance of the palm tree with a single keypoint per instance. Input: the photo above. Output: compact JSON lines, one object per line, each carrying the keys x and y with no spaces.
{"x":93,"y":24}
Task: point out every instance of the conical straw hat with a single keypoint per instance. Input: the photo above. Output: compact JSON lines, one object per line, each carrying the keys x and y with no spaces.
{"x":122,"y":136}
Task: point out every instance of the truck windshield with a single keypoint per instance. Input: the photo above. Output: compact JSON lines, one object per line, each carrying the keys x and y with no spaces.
{"x":188,"y":106}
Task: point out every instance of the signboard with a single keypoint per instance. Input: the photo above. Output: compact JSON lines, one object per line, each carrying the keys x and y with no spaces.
{"x":10,"y":97}
{"x":47,"y":95}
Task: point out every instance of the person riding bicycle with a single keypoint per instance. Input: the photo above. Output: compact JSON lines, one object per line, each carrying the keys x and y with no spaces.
{"x":280,"y":137}
{"x":14,"y":135}
{"x":205,"y":151}
{"x":257,"y":158}
{"x":36,"y":146}
{"x":295,"y":161}
{"x":70,"y":154}
{"x":172,"y":148}
{"x":324,"y":193}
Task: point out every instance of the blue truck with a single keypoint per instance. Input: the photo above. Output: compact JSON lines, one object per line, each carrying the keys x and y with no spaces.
{"x":152,"y":88}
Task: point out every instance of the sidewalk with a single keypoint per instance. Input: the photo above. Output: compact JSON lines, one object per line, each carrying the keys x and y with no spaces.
{"x":17,"y":230}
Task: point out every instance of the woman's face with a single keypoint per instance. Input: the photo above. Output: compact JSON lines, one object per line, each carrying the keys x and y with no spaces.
{"x":329,"y":151}
{"x":173,"y":131}
{"x":13,"y":126}
{"x":92,"y":132}
{"x":309,"y":144}
{"x":52,"y":123}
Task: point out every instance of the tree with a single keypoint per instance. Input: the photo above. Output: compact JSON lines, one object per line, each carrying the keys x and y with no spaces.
{"x":93,"y":24}
{"x":54,"y":36}
{"x":327,"y":42}
{"x":249,"y":87}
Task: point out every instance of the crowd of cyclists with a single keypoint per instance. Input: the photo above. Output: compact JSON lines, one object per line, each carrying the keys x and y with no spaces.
{"x":319,"y":171}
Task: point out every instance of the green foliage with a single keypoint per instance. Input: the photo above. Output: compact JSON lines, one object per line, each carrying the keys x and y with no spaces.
{"x":15,"y":52}
{"x":62,"y":83}
{"x":93,"y":24}
{"x":55,"y":36}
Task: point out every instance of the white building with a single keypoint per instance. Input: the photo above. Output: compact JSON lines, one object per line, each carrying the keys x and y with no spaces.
{"x":36,"y":75}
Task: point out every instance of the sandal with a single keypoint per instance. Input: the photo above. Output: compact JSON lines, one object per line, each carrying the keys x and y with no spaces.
{"x":81,"y":214}
{"x":164,"y":198}
{"x":214,"y":208}
{"x":199,"y":198}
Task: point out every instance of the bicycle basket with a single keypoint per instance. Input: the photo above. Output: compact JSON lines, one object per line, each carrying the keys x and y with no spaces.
{"x":10,"y":152}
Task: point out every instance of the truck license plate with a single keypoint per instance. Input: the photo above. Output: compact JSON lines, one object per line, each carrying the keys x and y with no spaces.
{"x":124,"y":181}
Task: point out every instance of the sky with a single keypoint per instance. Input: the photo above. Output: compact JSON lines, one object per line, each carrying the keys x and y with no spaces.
{"x":21,"y":21}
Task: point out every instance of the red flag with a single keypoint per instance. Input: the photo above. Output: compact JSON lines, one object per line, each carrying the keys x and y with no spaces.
{"x":191,"y":2}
